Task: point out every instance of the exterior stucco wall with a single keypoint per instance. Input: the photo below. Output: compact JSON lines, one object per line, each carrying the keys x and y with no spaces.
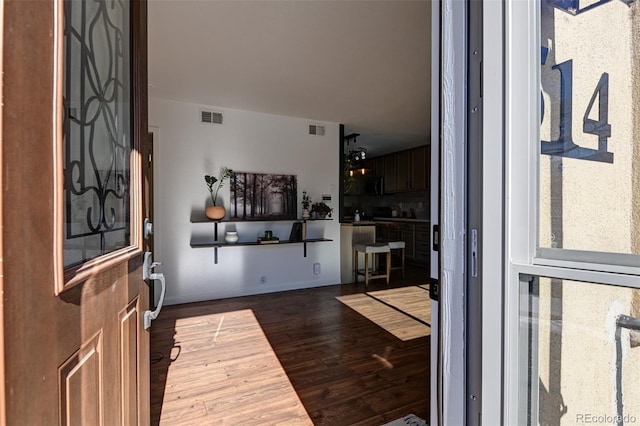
{"x":577,"y":353}
{"x":635,"y":184}
{"x":587,"y":205}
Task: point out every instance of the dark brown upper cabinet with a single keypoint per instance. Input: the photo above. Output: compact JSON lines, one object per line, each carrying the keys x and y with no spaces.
{"x":404,"y":171}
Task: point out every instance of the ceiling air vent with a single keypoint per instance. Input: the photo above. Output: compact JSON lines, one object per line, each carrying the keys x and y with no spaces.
{"x":210,"y":117}
{"x":315,"y":129}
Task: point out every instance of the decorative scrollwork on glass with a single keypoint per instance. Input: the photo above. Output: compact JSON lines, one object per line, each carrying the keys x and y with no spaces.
{"x":97,"y":127}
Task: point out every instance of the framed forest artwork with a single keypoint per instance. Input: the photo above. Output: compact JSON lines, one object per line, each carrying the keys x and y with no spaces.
{"x":261,"y":196}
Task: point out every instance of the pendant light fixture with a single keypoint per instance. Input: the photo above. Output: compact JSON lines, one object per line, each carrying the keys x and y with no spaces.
{"x":355,"y":157}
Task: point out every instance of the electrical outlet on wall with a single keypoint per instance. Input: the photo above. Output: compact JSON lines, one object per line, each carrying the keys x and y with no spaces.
{"x":263,"y":279}
{"x":316,"y":269}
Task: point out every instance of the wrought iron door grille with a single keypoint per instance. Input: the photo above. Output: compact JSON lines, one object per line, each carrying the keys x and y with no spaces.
{"x":97,"y":128}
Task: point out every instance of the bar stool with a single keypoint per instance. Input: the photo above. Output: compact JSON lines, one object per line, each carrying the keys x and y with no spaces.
{"x":370,"y":249}
{"x":399,"y":245}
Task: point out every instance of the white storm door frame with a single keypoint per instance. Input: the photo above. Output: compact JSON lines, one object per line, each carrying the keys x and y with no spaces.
{"x":452,"y":137}
{"x":512,"y":141}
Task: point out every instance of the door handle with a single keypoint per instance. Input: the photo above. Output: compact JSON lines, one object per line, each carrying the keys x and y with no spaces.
{"x":148,"y":274}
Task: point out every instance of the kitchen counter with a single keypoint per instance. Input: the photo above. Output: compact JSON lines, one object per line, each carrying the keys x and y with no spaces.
{"x":399,"y":219}
{"x":383,"y":220}
{"x":414,"y":232}
{"x":361,"y":223}
{"x":351,"y":234}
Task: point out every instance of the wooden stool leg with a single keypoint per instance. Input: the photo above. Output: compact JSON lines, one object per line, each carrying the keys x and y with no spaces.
{"x":355,"y":266}
{"x":388,"y":266}
{"x":366,"y":270}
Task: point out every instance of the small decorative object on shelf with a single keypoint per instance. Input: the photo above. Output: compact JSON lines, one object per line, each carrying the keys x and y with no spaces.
{"x":306,"y":203}
{"x":268,"y":238}
{"x":216,"y":212}
{"x":231,"y":237}
{"x":320,"y":210}
{"x":356,"y":218}
{"x":296,"y":231}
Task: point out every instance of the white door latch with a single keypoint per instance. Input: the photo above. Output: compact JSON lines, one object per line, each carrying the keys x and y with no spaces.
{"x":147,"y":274}
{"x":147,"y":229}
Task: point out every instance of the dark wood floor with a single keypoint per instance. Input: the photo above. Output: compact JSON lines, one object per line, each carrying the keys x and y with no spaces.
{"x":326,"y":350}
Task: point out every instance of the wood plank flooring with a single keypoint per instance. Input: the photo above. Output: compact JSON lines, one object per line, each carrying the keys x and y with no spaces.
{"x":413,"y":301}
{"x":295,"y":357}
{"x":404,"y":312}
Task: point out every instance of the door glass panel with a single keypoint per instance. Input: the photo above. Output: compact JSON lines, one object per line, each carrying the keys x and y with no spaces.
{"x":589,"y":164}
{"x":97,"y":128}
{"x":579,"y":353}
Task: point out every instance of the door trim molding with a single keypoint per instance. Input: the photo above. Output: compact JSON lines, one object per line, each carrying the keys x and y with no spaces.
{"x":451,"y":330}
{"x":494,"y":214}
{"x":58,"y":165}
{"x":3,"y":397}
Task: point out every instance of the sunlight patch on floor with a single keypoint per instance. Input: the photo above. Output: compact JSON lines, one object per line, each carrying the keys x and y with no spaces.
{"x":402,"y":312}
{"x":413,"y":301}
{"x":227,"y":373}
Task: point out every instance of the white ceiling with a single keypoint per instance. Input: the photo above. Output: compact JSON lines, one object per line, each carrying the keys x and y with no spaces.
{"x":362,"y":63}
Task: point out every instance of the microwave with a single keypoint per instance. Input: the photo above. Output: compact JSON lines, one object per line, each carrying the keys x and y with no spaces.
{"x":374,"y":186}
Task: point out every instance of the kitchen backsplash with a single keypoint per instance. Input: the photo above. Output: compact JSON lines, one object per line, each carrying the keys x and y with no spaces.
{"x":404,"y":203}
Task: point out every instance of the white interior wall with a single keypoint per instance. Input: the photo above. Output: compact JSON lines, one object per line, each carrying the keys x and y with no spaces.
{"x":185,"y":150}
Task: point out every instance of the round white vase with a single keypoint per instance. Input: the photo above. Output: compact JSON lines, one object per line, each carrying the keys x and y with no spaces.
{"x":231,"y":237}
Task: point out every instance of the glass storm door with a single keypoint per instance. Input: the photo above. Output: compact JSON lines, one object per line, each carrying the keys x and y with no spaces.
{"x":571,"y":300}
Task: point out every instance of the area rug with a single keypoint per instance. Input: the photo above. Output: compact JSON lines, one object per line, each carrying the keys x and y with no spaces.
{"x":386,"y":309}
{"x":410,"y":420}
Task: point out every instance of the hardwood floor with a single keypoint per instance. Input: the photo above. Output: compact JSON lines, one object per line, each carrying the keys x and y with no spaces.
{"x":254,"y":359}
{"x":392,"y":312}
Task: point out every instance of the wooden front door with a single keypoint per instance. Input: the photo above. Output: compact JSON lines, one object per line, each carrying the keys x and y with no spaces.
{"x":74,"y":349}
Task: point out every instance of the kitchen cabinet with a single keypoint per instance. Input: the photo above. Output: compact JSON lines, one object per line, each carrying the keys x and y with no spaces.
{"x":415,"y":236}
{"x":391,"y":173}
{"x":377,"y":166}
{"x":387,"y":232}
{"x":374,"y":166}
{"x":408,"y":235}
{"x":398,"y":232}
{"x":419,"y":176}
{"x":403,"y":171}
{"x":422,"y":241}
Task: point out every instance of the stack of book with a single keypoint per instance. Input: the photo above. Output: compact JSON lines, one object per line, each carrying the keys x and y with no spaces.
{"x":272,"y":240}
